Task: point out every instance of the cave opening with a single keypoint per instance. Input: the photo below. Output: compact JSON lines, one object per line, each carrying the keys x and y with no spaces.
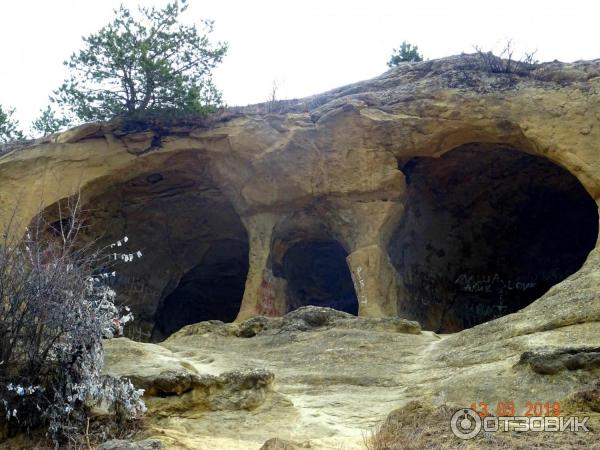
{"x":317,"y":274}
{"x":487,"y":230}
{"x":195,"y":247}
{"x":211,"y":290}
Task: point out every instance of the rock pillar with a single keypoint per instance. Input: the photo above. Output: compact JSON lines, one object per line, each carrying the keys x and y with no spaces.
{"x":264,"y":294}
{"x":376,"y":281}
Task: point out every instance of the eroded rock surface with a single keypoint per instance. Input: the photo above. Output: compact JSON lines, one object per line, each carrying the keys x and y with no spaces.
{"x":410,"y":177}
{"x":336,"y":379}
{"x":249,"y":197}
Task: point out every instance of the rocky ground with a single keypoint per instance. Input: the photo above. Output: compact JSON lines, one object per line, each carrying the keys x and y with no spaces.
{"x":317,"y":376}
{"x":325,"y":379}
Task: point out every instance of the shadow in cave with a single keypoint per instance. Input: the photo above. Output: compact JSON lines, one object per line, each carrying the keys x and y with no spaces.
{"x":317,"y":274}
{"x":487,"y":230}
{"x":194,"y":244}
{"x":212,"y":290}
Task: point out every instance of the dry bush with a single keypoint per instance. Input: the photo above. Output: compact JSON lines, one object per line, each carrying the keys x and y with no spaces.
{"x":412,"y":427}
{"x":419,"y":427}
{"x":56,"y":307}
{"x":505,"y":62}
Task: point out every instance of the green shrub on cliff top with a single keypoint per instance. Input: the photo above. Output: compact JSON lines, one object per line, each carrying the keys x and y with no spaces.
{"x":48,"y":122}
{"x":405,"y":53}
{"x":9,"y":127}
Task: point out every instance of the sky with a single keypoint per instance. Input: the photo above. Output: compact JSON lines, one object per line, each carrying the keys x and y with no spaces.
{"x":305,"y":47}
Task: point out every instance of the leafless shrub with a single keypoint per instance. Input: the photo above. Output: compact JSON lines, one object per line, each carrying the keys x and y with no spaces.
{"x":272,"y":96}
{"x":56,"y":307}
{"x":505,"y":62}
{"x":274,"y":105}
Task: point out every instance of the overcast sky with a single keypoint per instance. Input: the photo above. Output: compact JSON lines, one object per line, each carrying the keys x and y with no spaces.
{"x":306,"y":46}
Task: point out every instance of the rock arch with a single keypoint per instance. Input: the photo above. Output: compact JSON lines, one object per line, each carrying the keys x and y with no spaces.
{"x":309,"y":260}
{"x":336,"y":151}
{"x":194,"y":246}
{"x":487,"y":230}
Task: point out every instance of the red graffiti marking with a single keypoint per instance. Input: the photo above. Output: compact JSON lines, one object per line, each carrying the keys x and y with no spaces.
{"x":266,"y":294}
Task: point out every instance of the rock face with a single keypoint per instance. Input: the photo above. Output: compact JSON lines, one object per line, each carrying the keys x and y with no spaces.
{"x":437,"y":188}
{"x":438,"y":192}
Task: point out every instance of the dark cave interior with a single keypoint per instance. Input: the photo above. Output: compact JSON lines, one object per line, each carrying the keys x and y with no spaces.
{"x":488,"y":229}
{"x":194,"y":245}
{"x":317,"y":274}
{"x":212,"y":290}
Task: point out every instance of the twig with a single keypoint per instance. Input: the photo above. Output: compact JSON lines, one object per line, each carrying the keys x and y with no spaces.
{"x":87,"y":434}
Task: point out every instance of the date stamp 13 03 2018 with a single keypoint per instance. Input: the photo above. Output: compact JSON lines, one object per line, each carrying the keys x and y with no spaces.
{"x":512,"y":409}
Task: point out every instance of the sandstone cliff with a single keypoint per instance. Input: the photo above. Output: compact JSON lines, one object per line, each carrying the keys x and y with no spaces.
{"x":438,"y":192}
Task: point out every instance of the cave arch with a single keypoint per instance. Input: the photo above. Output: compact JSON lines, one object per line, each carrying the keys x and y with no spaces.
{"x":487,"y":230}
{"x":317,"y":274}
{"x":195,"y":247}
{"x":309,"y":257}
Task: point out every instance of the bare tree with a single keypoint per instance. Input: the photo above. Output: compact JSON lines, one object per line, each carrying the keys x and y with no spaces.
{"x":273,"y":101}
